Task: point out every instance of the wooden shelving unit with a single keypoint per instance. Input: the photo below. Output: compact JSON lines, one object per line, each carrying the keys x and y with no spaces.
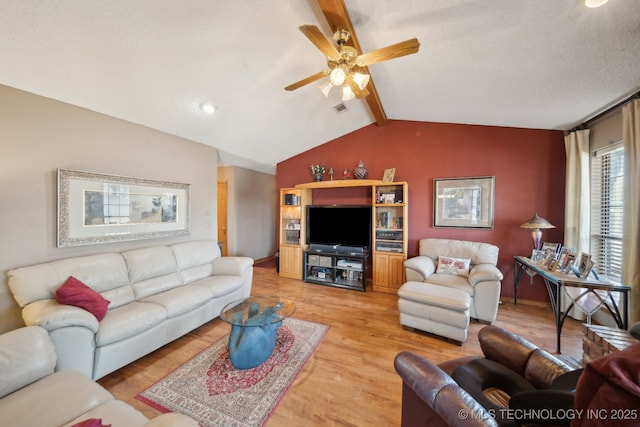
{"x":389,"y":235}
{"x":291,"y":230}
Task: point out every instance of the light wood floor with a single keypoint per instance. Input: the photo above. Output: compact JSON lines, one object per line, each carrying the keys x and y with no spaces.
{"x":350,"y":379}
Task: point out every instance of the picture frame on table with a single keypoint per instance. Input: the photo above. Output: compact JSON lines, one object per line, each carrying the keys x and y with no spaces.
{"x":555,"y":247}
{"x":463,"y":202}
{"x":96,"y":208}
{"x":537,"y":255}
{"x":582,"y":264}
{"x":567,"y":262}
{"x":585,"y":264}
{"x":549,"y":257}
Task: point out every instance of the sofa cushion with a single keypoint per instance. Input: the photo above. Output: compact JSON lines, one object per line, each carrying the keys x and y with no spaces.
{"x":543,"y":368}
{"x":26,"y":355}
{"x":477,"y":252}
{"x":74,"y":292}
{"x":152,"y":270}
{"x":181,"y":300}
{"x":195,"y":259}
{"x":113,"y":413}
{"x":436,"y":296}
{"x":454,"y":266}
{"x":52,"y":401}
{"x":37,"y":282}
{"x":194,"y":254}
{"x":450,"y":281}
{"x":220,"y":285}
{"x":128,"y":320}
{"x":491,"y":384}
{"x":505,"y":347}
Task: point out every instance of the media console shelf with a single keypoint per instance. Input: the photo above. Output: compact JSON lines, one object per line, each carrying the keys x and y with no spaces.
{"x":389,"y":234}
{"x":335,"y":269}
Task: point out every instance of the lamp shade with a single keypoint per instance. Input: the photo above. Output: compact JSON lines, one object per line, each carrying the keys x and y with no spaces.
{"x":594,"y":3}
{"x":361,"y":80}
{"x":537,"y":223}
{"x":347,"y":93}
{"x":337,"y":76}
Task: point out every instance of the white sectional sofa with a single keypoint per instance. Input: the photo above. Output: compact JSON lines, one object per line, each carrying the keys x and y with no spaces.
{"x":156,"y":294}
{"x":31,"y":394}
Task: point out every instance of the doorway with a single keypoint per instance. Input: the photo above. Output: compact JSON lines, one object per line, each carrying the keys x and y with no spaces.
{"x":222,"y":217}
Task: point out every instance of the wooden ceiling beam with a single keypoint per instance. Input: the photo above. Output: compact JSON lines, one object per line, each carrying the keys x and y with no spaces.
{"x":337,"y":17}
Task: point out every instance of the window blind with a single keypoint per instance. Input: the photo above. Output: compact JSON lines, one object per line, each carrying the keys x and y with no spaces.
{"x":607,"y":205}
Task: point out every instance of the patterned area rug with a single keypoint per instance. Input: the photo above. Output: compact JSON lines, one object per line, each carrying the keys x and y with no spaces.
{"x":211,"y":391}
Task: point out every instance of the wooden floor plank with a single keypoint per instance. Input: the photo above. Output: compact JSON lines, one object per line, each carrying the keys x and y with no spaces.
{"x":350,"y":379}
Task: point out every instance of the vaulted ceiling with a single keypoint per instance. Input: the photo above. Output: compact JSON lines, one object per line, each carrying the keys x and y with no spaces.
{"x":526,"y":63}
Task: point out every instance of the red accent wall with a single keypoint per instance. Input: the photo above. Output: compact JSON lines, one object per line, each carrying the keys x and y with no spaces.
{"x":528,"y":165}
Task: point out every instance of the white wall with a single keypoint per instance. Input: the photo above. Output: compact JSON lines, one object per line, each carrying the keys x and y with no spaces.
{"x":251,"y":212}
{"x":39,"y":135}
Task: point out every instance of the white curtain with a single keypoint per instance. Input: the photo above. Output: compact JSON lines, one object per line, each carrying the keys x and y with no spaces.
{"x":577,"y":203}
{"x":631,"y":237}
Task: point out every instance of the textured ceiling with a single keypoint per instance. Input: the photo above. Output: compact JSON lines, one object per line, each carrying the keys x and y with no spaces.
{"x":528,"y":63}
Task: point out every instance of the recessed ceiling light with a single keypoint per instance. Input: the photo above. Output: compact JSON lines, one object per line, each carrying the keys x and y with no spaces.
{"x":594,"y":3}
{"x":207,"y":107}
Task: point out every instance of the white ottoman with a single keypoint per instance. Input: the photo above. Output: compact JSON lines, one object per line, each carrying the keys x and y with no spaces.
{"x":436,"y":309}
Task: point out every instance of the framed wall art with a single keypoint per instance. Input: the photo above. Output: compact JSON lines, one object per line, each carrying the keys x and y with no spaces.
{"x":388,"y":175}
{"x":463,"y":202}
{"x":96,"y":208}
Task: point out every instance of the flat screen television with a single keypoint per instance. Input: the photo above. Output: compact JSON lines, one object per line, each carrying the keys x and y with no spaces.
{"x":345,"y":225}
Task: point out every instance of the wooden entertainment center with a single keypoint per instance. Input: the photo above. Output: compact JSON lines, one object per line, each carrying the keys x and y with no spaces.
{"x":389,"y":238}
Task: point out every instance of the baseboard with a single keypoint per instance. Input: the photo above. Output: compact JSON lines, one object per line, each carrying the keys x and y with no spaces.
{"x":542,"y":304}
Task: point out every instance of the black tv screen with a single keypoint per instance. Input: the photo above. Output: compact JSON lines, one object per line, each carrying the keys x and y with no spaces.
{"x":346,"y":225}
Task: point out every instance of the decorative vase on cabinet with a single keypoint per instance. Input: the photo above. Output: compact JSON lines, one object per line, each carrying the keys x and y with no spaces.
{"x":360,"y":171}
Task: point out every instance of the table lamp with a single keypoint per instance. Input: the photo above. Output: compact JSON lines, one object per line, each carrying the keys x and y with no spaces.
{"x":536,"y":224}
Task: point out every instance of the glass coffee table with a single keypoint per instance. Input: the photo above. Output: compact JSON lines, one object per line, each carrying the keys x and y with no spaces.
{"x":254,"y":325}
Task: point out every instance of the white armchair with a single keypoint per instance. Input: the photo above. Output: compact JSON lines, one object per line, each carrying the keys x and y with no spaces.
{"x":483,"y":280}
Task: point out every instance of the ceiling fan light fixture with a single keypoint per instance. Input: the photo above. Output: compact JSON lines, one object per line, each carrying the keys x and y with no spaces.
{"x":326,"y":88}
{"x":347,"y":93}
{"x":594,"y":3}
{"x":361,"y":80}
{"x":337,"y":76}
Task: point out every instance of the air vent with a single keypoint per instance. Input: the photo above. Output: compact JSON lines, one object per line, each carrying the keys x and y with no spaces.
{"x":340,"y":108}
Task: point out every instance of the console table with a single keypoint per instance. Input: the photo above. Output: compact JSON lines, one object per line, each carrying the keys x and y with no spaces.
{"x":555,"y":281}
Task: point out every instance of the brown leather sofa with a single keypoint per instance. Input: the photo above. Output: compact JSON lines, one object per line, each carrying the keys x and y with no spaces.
{"x":509,"y":365}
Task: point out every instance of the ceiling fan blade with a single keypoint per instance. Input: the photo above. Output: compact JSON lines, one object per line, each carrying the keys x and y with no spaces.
{"x":314,"y":34}
{"x":308,"y":80}
{"x":397,"y":50}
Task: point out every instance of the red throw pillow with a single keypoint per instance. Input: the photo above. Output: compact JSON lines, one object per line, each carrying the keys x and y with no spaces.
{"x":91,"y":422}
{"x":74,"y":292}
